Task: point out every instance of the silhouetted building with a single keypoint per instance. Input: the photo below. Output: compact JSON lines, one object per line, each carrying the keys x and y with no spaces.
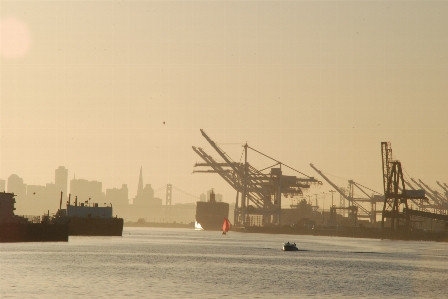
{"x":218,"y":197}
{"x":145,"y":196}
{"x":53,"y":194}
{"x":117,"y":197}
{"x":60,"y":185}
{"x":202,"y":197}
{"x":16,"y":185}
{"x":61,"y":179}
{"x":144,"y":205}
{"x":156,"y":201}
{"x":140,"y":182}
{"x":84,"y":189}
{"x":41,"y":199}
{"x":37,"y":201}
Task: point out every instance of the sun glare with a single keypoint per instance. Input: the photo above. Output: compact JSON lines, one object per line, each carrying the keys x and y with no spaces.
{"x":15,"y":38}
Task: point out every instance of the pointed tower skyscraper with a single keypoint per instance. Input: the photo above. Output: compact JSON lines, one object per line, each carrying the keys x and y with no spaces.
{"x":140,"y":184}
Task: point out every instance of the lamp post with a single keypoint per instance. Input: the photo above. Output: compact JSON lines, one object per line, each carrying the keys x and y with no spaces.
{"x":332,"y":209}
{"x":323,"y":209}
{"x":332,"y":191}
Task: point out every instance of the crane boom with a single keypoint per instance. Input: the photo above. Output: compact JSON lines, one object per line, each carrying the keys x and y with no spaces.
{"x":436,"y":194}
{"x":443,"y":187}
{"x":350,"y":199}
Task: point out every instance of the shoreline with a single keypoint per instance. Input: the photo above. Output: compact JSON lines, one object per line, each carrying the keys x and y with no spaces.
{"x":159,"y":224}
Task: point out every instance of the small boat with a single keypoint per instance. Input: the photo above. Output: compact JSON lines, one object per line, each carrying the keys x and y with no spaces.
{"x":225,"y":226}
{"x":290,"y":247}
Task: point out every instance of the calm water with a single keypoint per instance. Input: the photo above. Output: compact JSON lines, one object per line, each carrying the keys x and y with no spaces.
{"x":182,"y":263}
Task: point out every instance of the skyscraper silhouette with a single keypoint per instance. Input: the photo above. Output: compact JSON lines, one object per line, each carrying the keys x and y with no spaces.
{"x":61,"y":179}
{"x":140,"y":184}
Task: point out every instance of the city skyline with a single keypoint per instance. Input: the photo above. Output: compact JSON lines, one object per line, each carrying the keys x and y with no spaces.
{"x":60,"y":187}
{"x":323,"y":195}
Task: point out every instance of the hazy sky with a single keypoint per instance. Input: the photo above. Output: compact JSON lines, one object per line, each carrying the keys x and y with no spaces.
{"x":105,"y":87}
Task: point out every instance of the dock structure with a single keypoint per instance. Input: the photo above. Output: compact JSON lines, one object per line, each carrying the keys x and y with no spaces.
{"x":259,"y":195}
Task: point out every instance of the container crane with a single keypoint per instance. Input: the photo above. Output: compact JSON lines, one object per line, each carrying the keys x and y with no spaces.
{"x":261,"y":193}
{"x":396,"y":195}
{"x":419,"y":202}
{"x":441,"y":205}
{"x":350,"y":197}
{"x":394,"y":189}
{"x":434,"y":204}
{"x":445,"y":188}
{"x":442,"y":201}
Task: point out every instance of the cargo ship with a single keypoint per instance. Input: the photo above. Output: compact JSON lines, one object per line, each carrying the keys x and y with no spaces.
{"x":14,"y":228}
{"x":210,"y":215}
{"x":86,"y":220}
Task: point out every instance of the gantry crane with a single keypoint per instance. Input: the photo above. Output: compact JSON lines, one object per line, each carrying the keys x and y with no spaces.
{"x":261,"y":193}
{"x":439,"y":200}
{"x":395,"y":193}
{"x":353,"y":201}
{"x":423,"y":211}
{"x":445,"y":188}
{"x":392,"y":182}
{"x":442,"y":201}
{"x":420,"y":202}
{"x":434,"y":204}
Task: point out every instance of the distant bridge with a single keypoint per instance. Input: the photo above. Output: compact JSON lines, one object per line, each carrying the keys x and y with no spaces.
{"x":169,"y":199}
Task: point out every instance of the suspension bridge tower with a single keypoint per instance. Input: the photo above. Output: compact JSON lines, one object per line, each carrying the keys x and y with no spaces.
{"x":169,"y":193}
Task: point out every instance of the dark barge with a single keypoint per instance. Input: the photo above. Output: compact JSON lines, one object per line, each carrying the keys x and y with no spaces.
{"x":14,"y":228}
{"x":86,"y":220}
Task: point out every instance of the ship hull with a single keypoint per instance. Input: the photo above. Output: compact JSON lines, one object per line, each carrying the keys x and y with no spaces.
{"x":79,"y":226}
{"x":210,"y":215}
{"x":33,"y":232}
